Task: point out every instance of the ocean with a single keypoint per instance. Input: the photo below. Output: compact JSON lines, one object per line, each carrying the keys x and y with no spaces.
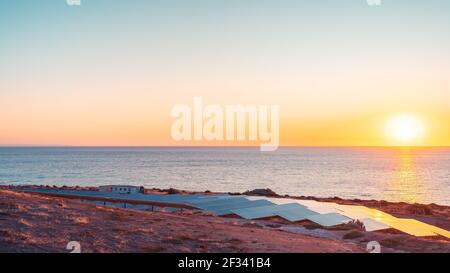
{"x":394,"y":174}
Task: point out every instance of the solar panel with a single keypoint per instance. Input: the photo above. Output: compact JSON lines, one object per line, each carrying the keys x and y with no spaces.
{"x":440,"y":231}
{"x":231,"y":207}
{"x":190,"y":197}
{"x":238,"y":204}
{"x":375,"y":219}
{"x":355,"y":212}
{"x":373,"y":225}
{"x":254,"y":207}
{"x":217,"y":199}
{"x":202,"y":199}
{"x":265,"y":211}
{"x":295,"y":214}
{"x":289,"y":206}
{"x":179,"y":198}
{"x":365,"y":215}
{"x":224,"y":204}
{"x":328,"y":219}
{"x":221,"y":203}
{"x":278,"y":201}
{"x":255,"y":212}
{"x":319,"y":207}
{"x":410,"y":226}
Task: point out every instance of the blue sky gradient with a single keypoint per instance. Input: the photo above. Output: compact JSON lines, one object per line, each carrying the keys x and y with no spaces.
{"x":321,"y":60}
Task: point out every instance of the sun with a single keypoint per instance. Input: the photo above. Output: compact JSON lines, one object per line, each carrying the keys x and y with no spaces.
{"x":405,"y":129}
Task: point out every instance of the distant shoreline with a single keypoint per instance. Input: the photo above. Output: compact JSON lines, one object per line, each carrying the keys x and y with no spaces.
{"x":373,"y":203}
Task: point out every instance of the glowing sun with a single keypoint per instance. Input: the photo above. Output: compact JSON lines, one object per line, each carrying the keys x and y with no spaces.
{"x":405,"y":129}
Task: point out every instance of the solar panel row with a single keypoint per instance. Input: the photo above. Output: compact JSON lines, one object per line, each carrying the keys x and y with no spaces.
{"x":255,"y":207}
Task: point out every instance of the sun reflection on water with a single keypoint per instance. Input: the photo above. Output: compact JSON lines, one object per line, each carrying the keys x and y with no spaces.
{"x":405,"y":181}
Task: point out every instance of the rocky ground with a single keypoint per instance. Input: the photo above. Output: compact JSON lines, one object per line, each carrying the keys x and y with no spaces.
{"x":34,"y":223}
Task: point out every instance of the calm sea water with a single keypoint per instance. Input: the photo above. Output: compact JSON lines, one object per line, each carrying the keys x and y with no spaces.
{"x":412,"y":175}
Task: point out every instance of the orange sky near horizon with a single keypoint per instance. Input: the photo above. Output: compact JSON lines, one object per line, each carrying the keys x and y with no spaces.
{"x":97,"y":76}
{"x":112,"y":125}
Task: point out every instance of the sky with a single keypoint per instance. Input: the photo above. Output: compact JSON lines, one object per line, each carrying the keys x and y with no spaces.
{"x":108,"y":72}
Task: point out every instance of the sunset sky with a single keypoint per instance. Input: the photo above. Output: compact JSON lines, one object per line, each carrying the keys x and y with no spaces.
{"x":108,"y":72}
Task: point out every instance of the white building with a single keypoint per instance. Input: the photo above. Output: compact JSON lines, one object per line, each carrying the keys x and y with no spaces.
{"x":122,"y":189}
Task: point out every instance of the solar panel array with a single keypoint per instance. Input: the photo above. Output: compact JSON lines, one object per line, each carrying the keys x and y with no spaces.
{"x":257,"y":207}
{"x":329,"y":219}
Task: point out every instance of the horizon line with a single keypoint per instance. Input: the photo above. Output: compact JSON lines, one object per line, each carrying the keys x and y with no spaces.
{"x":216,"y":146}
